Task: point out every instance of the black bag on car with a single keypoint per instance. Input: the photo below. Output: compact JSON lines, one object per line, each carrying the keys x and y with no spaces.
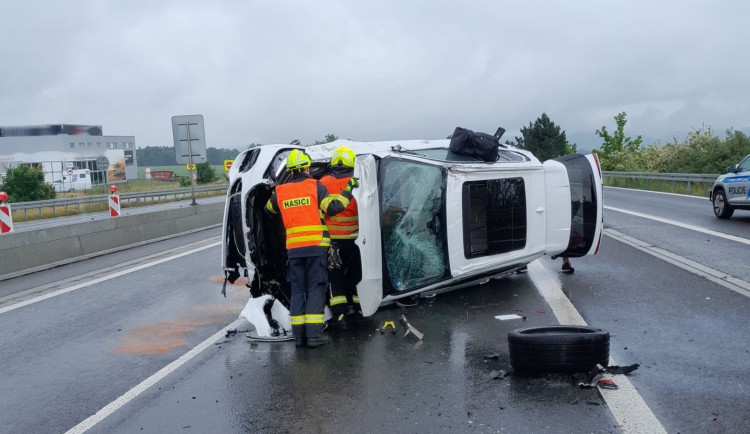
{"x":481,"y":146}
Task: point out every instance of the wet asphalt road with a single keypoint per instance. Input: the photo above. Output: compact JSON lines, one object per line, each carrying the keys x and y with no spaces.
{"x":67,"y":357}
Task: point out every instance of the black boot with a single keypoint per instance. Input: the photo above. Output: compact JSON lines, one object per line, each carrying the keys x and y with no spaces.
{"x":316,"y":341}
{"x":300,"y":342}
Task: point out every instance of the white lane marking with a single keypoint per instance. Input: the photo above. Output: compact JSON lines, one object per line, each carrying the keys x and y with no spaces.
{"x":626,"y":404}
{"x":102,"y":279}
{"x":682,"y":225}
{"x":150,"y":381}
{"x":737,"y":285}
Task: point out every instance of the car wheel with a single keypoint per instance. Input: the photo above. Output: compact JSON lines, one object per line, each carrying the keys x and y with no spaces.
{"x":722,"y":209}
{"x":558,"y":349}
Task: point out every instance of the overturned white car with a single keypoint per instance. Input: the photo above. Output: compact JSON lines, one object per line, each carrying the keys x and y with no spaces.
{"x":430,"y":220}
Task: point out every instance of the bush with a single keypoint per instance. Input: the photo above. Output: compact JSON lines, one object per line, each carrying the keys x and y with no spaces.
{"x":25,"y":183}
{"x":206,"y":173}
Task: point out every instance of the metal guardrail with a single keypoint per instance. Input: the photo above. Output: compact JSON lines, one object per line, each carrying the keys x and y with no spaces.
{"x":688,"y":178}
{"x":100,"y":202}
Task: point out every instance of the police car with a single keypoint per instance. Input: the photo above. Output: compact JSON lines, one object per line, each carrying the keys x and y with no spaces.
{"x":430,"y":220}
{"x":732,"y":190}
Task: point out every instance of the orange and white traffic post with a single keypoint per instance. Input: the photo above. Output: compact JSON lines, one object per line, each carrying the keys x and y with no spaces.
{"x":6,"y":216}
{"x":114,"y":202}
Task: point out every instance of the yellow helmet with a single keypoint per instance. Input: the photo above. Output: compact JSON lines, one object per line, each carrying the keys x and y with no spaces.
{"x":297,"y":159}
{"x":343,"y":156}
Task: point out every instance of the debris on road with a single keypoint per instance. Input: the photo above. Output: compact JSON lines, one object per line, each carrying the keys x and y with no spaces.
{"x":409,"y":328}
{"x":622,"y":369}
{"x":387,"y":324}
{"x":596,"y":373}
{"x":497,"y":375}
{"x":607,"y":384}
{"x":509,"y":317}
{"x":594,"y":378}
{"x":233,"y":332}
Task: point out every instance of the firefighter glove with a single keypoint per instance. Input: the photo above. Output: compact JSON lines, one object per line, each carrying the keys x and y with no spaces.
{"x":352,"y":184}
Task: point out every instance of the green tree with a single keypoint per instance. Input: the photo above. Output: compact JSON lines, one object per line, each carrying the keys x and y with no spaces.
{"x":544,"y":139}
{"x":205,"y":172}
{"x":616,"y":142}
{"x":25,"y":183}
{"x":156,"y":156}
{"x":216,"y":156}
{"x":328,"y":139}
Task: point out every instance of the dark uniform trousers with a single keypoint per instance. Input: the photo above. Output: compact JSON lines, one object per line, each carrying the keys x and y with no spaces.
{"x":308,"y":276}
{"x":344,"y":280}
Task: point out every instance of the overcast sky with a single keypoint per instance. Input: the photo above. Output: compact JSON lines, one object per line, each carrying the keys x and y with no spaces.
{"x":272,"y":71}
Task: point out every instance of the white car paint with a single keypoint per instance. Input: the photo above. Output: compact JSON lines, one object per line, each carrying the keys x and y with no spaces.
{"x":549,"y":207}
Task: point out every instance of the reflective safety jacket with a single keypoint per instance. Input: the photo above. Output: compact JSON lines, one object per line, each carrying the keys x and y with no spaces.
{"x":344,"y":225}
{"x":298,"y":203}
{"x":306,"y":232}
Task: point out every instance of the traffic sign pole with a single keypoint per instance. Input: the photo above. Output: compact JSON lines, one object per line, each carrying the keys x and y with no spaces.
{"x":190,"y":160}
{"x":194,"y":138}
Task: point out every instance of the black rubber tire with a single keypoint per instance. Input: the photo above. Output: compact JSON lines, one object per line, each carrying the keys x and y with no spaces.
{"x":722,"y":209}
{"x":558,"y":349}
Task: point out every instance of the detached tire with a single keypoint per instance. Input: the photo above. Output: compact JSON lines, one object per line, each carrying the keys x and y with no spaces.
{"x":558,"y":349}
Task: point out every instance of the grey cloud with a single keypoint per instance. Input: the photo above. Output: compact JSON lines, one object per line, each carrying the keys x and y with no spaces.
{"x":263,"y":71}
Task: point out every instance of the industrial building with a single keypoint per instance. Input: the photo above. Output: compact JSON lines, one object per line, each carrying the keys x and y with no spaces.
{"x":72,"y":157}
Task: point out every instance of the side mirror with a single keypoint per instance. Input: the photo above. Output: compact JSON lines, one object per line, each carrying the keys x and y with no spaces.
{"x":732,"y":169}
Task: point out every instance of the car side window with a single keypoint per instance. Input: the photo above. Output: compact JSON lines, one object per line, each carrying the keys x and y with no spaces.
{"x":494,"y":216}
{"x":745,"y":165}
{"x":249,"y":160}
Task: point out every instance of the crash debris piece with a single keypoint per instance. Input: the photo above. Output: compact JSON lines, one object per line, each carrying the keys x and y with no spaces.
{"x":409,"y":328}
{"x":387,"y":324}
{"x":622,"y":369}
{"x":497,"y":375}
{"x":594,"y":377}
{"x":508,"y":317}
{"x":607,"y":384}
{"x":596,"y":373}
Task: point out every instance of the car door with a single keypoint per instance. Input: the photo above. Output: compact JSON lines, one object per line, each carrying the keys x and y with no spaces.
{"x":738,"y":184}
{"x":370,"y":288}
{"x":402,"y":237}
{"x":574,"y":202}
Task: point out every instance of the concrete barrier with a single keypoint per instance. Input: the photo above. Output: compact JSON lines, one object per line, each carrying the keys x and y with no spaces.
{"x":22,"y":252}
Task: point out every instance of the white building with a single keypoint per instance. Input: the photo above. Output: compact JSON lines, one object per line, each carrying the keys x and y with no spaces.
{"x":62,"y":150}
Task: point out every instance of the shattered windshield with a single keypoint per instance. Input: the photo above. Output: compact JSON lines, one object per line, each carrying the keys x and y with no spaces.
{"x":412,"y":221}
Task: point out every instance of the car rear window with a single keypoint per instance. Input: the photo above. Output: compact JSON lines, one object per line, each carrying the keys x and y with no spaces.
{"x":494,"y":216}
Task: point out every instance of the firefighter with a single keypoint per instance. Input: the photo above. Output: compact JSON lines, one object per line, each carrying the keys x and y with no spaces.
{"x":345,"y":271}
{"x":302,"y":202}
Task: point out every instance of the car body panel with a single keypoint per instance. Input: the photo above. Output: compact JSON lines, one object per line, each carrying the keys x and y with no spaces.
{"x":370,"y":288}
{"x":557,"y":189}
{"x":429,"y":220}
{"x":735,"y":185}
